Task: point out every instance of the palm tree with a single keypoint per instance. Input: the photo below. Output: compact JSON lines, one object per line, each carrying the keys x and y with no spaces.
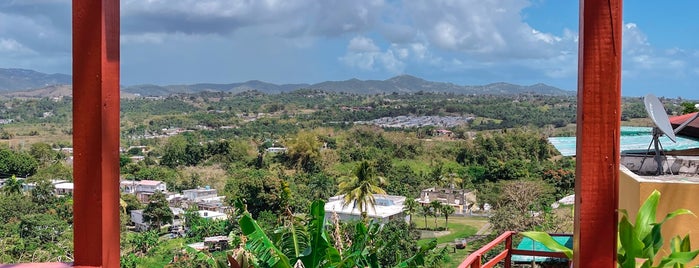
{"x":13,"y":186}
{"x":435,"y":207}
{"x":359,"y":189}
{"x":425,"y":211}
{"x":446,"y":211}
{"x":450,"y":180}
{"x":410,"y":208}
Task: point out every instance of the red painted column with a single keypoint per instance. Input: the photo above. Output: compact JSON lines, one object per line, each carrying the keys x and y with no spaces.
{"x":96,"y":132}
{"x":598,"y":127}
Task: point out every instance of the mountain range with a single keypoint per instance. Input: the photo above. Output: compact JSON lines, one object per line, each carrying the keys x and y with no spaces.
{"x":20,"y":82}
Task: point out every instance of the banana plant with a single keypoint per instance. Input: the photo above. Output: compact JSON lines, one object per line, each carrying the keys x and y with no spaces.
{"x":643,"y":239}
{"x":639,"y":243}
{"x":309,"y":247}
{"x":307,"y":244}
{"x":259,"y":244}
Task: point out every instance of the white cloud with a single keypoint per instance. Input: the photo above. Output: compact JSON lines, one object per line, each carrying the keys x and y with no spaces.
{"x":12,"y":47}
{"x":641,"y":60}
{"x":485,"y":29}
{"x":634,"y":41}
{"x":363,"y":54}
{"x":153,"y":38}
{"x":362,"y":44}
{"x":290,"y":18}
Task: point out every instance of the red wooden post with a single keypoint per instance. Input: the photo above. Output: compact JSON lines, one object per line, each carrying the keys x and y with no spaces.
{"x":96,"y":132}
{"x":477,"y":263}
{"x":508,"y":247}
{"x":598,"y":126}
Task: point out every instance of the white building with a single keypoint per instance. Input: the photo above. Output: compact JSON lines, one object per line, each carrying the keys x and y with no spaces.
{"x":200,"y":194}
{"x":150,"y":186}
{"x":141,"y":225}
{"x":31,"y":185}
{"x":64,"y":188}
{"x":461,"y":200}
{"x":387,"y":207}
{"x":212,"y":215}
{"x":137,"y":219}
{"x":276,"y":150}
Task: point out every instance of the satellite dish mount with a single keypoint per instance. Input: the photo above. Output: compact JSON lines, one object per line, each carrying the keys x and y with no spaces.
{"x":657,"y":113}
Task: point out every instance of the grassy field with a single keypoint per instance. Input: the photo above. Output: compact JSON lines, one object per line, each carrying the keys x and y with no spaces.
{"x":26,"y":134}
{"x":459,"y":227}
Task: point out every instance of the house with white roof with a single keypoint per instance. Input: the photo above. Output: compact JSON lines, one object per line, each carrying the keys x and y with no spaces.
{"x":212,"y":215}
{"x":142,"y":225}
{"x":64,"y":188}
{"x":276,"y":150}
{"x":31,"y":185}
{"x":149,"y":186}
{"x":387,"y":207}
{"x":142,"y":189}
{"x":200,"y":194}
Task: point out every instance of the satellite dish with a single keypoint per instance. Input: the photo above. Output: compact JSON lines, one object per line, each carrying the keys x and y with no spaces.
{"x":657,"y":113}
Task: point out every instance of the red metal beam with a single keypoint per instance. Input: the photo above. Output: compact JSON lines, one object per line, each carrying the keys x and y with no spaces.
{"x":598,"y":126}
{"x":96,"y":132}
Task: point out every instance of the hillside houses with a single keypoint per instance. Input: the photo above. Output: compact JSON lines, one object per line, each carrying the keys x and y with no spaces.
{"x":411,"y":121}
{"x":205,"y":200}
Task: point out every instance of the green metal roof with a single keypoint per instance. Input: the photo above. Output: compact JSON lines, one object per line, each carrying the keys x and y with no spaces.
{"x":528,"y":244}
{"x":632,"y":138}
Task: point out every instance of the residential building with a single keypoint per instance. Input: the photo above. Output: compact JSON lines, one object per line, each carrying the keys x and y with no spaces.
{"x":211,"y":243}
{"x":387,"y":207}
{"x":462,"y":200}
{"x":64,"y":188}
{"x":276,"y":150}
{"x":31,"y":185}
{"x":212,"y":215}
{"x":200,"y":194}
{"x":137,"y":220}
{"x":141,"y":225}
{"x":149,"y":186}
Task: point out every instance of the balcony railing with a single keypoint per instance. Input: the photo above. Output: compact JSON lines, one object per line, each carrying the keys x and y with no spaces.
{"x":475,"y":260}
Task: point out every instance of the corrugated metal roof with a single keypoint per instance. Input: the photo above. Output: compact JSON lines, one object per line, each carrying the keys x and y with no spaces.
{"x":529,"y":244}
{"x":691,"y":130}
{"x":632,"y":138}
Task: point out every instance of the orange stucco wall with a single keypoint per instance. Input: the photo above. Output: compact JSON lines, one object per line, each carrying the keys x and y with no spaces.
{"x":633,"y":190}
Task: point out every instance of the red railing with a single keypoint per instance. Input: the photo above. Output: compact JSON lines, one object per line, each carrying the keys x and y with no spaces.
{"x":475,"y":259}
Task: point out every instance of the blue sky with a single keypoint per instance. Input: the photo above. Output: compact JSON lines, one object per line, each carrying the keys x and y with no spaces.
{"x":466,"y":42}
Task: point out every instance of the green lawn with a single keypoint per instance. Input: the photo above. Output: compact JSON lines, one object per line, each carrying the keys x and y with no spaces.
{"x":162,"y":254}
{"x":459,"y":227}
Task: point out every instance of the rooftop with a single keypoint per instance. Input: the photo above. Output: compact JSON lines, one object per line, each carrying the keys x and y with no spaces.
{"x":142,"y":182}
{"x":632,"y":139}
{"x":386,"y":205}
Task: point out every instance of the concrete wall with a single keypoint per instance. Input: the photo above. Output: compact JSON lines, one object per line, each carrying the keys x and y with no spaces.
{"x":646,"y":165}
{"x":633,"y":191}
